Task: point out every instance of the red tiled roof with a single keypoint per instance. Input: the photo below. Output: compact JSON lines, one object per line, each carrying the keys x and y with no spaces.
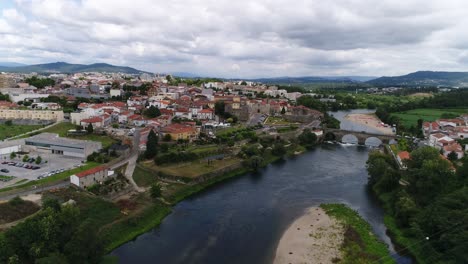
{"x":90,"y":171}
{"x":92,"y":120}
{"x":206,"y":111}
{"x":178,"y":128}
{"x":404,"y":155}
{"x":453,"y":147}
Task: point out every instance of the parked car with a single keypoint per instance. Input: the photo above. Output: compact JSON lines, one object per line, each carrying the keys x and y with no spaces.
{"x":4,"y":170}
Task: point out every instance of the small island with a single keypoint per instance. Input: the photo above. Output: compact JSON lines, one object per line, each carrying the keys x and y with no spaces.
{"x":331,"y":233}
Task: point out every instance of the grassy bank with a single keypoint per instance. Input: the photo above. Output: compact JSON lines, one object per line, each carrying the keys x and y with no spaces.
{"x":129,"y":228}
{"x":188,"y":190}
{"x":360,"y":245}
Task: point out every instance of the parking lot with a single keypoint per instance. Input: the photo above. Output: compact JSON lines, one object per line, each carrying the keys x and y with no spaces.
{"x":54,"y":164}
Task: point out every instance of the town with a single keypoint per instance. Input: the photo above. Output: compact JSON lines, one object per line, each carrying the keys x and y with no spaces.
{"x":127,"y":109}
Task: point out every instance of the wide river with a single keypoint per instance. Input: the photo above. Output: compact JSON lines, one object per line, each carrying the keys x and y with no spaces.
{"x":242,"y":219}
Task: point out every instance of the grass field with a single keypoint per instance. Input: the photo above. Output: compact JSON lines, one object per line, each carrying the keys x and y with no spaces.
{"x":224,"y":131}
{"x":276,"y":121}
{"x":16,"y":209}
{"x":14,"y":130}
{"x":194,"y":169}
{"x":142,"y":177}
{"x":410,"y":117}
{"x":62,"y":130}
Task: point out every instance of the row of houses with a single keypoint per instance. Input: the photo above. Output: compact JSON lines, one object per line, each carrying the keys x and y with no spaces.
{"x":444,"y":133}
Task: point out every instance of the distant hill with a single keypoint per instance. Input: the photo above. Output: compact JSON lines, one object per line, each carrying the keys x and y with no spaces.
{"x":425,"y":78}
{"x":10,"y":64}
{"x":63,"y":67}
{"x":314,"y":79}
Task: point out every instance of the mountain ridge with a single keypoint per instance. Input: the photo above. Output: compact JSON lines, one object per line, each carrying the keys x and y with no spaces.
{"x":424,"y":78}
{"x":64,"y":67}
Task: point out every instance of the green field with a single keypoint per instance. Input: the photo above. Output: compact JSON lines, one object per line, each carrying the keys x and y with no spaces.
{"x":62,"y":130}
{"x":410,"y":117}
{"x":14,"y":130}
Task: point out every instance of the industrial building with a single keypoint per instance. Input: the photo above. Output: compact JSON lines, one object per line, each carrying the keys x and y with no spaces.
{"x":52,"y":143}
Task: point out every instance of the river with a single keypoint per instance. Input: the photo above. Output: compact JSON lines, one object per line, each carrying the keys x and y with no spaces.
{"x":242,"y":219}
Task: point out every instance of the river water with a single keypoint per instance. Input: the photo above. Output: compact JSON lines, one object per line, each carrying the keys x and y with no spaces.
{"x":242,"y":219}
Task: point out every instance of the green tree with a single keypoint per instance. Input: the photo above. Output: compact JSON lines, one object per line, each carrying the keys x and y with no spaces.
{"x":90,"y":128}
{"x":283,"y":111}
{"x":219,"y":108}
{"x":254,"y":162}
{"x":307,"y":138}
{"x":8,"y":123}
{"x":85,"y":244}
{"x":155,"y":190}
{"x":25,"y":158}
{"x":151,"y":145}
{"x":12,"y":155}
{"x":38,"y":160}
{"x":152,"y":112}
{"x":52,"y":203}
{"x":452,"y":156}
{"x":167,"y":137}
{"x":278,"y":150}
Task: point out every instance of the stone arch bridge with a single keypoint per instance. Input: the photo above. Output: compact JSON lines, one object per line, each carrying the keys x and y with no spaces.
{"x":361,"y":137}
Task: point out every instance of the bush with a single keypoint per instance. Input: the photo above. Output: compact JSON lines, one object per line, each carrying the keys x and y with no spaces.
{"x":176,"y":157}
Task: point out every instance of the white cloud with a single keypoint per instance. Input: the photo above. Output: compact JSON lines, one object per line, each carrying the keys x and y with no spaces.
{"x":241,"y":38}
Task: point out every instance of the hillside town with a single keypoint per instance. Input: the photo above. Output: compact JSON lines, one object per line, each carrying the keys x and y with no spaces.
{"x":122,"y":105}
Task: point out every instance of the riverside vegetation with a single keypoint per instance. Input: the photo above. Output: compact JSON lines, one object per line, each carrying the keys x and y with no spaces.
{"x":427,"y":217}
{"x":359,"y":245}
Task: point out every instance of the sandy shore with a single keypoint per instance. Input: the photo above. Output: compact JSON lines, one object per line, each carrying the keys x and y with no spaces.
{"x":312,"y":238}
{"x":369,"y":120}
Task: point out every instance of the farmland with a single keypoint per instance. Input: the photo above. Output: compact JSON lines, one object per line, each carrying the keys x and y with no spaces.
{"x":410,"y":117}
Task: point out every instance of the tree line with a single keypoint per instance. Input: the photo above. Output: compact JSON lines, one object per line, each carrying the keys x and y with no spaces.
{"x":427,"y":201}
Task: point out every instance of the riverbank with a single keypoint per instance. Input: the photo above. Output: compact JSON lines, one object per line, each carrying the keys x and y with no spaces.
{"x":314,"y":237}
{"x":331,"y":233}
{"x":371,"y":121}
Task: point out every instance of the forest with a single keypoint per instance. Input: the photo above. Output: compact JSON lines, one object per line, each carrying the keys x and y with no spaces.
{"x":425,"y":205}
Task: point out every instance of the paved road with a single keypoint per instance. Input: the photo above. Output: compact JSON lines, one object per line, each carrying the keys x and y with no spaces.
{"x":131,"y":160}
{"x":33,"y":189}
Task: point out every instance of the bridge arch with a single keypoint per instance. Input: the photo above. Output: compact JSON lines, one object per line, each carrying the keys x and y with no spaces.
{"x":329,"y":136}
{"x":373,"y":142}
{"x":350,"y":138}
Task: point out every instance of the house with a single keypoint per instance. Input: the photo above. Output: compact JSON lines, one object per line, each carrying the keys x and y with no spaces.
{"x":439,"y":140}
{"x":91,"y":177}
{"x":206,"y":114}
{"x":97,"y":121}
{"x":180,"y":131}
{"x":455,"y":147}
{"x":401,"y":157}
{"x":430,"y":127}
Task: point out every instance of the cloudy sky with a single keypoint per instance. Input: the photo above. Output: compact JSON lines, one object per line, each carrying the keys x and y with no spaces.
{"x":241,"y":38}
